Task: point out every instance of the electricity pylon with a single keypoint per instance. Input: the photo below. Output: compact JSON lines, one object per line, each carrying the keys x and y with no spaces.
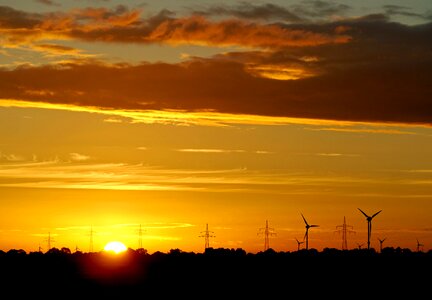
{"x":344,"y":229}
{"x":267,"y":231}
{"x":207,"y":235}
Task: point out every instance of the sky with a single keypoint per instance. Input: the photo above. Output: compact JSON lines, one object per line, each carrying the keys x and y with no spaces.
{"x":171,"y":115}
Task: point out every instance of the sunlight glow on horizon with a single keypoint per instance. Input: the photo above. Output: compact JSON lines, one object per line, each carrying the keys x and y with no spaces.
{"x":116,"y":247}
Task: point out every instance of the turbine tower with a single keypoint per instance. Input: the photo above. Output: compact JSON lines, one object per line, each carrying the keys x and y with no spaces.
{"x":344,"y":229}
{"x":419,"y":245}
{"x":298,"y":244}
{"x":207,"y":235}
{"x":369,"y":221}
{"x":306,"y":236}
{"x":381,"y":242}
{"x":267,"y":231}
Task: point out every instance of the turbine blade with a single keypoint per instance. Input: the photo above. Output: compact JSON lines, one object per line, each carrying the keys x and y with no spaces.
{"x":376,"y":214}
{"x":363,"y":212}
{"x":314,"y":226}
{"x":304,"y":220}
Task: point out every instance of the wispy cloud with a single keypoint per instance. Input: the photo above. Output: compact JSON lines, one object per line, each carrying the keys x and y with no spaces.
{"x":206,"y":118}
{"x":10,"y":157}
{"x":121,"y":176}
{"x":365,"y":130}
{"x":337,"y":155}
{"x":210,"y":151}
{"x":78,"y":157}
{"x":48,"y":2}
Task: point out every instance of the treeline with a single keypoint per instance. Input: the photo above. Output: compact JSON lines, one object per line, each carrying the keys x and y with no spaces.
{"x":221,"y":273}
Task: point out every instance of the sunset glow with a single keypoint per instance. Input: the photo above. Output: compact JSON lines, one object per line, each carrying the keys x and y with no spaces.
{"x":116,"y":247}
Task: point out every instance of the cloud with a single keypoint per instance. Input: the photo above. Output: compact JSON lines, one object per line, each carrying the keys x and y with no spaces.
{"x":320,"y":9}
{"x":126,"y":26}
{"x":337,"y":155}
{"x":10,"y":157}
{"x":376,"y":93}
{"x":397,"y":10}
{"x":306,"y":11}
{"x":210,"y":151}
{"x":249,"y":11}
{"x":56,"y":49}
{"x":365,"y":130}
{"x":222,"y":151}
{"x":57,"y":174}
{"x":78,"y":157}
{"x":363,"y":69}
{"x":48,"y":2}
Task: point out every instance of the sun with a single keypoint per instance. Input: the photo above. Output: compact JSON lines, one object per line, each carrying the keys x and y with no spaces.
{"x":116,"y":247}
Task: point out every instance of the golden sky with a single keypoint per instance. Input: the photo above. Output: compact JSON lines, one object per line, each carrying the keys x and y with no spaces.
{"x":116,"y":114}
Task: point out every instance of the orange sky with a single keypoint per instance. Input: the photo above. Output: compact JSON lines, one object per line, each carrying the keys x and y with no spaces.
{"x":115,"y":116}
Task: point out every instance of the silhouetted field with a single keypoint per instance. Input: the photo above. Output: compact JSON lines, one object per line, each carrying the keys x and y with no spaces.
{"x":217,"y":274}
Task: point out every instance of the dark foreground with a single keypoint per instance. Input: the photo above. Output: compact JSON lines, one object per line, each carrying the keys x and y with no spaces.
{"x":217,"y":274}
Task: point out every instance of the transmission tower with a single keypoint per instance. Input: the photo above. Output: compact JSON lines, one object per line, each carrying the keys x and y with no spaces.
{"x":49,"y":240}
{"x":267,"y":231}
{"x":345,"y":229}
{"x":91,"y":239}
{"x":140,"y":233}
{"x":207,"y":235}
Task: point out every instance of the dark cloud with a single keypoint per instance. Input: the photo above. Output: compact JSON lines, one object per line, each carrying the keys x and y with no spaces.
{"x":320,"y":9}
{"x":396,"y":10}
{"x":48,"y":2}
{"x":251,"y":11}
{"x":381,"y":93}
{"x":123,"y":25}
{"x":11,"y":18}
{"x":357,"y":69}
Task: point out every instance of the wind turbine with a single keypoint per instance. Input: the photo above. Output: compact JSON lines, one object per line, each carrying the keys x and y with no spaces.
{"x":306,"y":237}
{"x":298,"y":244}
{"x":381,"y":242}
{"x":369,"y":221}
{"x":359,"y":246}
{"x":419,"y":245}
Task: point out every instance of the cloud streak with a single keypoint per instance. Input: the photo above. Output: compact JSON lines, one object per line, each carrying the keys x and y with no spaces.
{"x":121,"y":176}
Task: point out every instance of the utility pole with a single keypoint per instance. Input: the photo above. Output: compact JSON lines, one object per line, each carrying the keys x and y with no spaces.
{"x":207,"y":235}
{"x":344,"y":229}
{"x":267,"y":232}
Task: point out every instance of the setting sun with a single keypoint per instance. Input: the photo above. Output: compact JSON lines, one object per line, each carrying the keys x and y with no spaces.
{"x":116,"y":247}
